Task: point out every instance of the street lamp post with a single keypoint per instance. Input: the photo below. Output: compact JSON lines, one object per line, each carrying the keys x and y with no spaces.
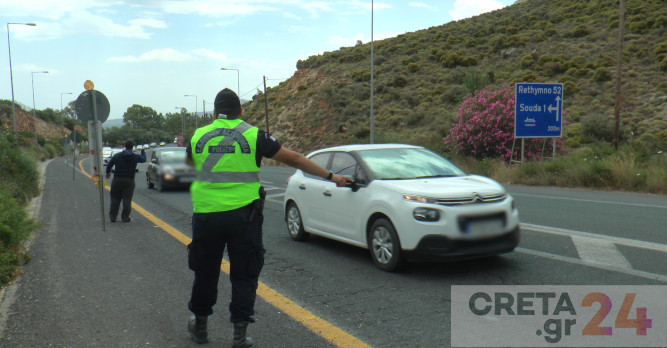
{"x":371,"y":125}
{"x":238,"y":80}
{"x":182,"y":120}
{"x":11,"y":76}
{"x":196,"y":102}
{"x":34,"y":112}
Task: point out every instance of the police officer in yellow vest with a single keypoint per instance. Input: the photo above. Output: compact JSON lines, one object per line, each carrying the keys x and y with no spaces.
{"x":227,"y":212}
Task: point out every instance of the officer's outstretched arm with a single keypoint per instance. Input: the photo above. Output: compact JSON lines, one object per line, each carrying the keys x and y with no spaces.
{"x":299,"y":161}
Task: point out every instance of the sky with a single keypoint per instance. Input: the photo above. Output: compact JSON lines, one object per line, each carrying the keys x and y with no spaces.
{"x":155,"y":52}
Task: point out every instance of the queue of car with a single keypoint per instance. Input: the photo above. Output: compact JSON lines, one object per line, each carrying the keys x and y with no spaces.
{"x":407,"y":203}
{"x":167,"y":169}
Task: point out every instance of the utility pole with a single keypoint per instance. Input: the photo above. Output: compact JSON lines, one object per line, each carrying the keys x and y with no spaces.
{"x":266,"y":106}
{"x":371,"y":125}
{"x":619,"y":70}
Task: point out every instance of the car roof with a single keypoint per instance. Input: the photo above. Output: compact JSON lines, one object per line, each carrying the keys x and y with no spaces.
{"x":359,"y":147}
{"x":168,"y":149}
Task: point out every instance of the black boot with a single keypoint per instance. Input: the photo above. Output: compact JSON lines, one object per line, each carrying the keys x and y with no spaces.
{"x":240,"y":339}
{"x":197,"y":329}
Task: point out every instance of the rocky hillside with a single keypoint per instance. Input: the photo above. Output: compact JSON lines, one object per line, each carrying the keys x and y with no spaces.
{"x":421,"y":77}
{"x":25,"y":122}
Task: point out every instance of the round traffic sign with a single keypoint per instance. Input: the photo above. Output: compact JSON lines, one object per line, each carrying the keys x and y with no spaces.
{"x":88,"y":85}
{"x":84,"y":106}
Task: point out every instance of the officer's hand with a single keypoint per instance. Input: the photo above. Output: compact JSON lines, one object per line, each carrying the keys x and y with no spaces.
{"x":341,"y":181}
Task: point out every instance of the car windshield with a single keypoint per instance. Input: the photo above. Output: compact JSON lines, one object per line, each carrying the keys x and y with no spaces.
{"x":407,"y":163}
{"x":173,"y":156}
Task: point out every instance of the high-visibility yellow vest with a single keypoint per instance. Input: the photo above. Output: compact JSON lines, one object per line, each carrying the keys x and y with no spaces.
{"x":227,"y":172}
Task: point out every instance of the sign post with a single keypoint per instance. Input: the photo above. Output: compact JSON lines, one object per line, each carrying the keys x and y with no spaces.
{"x":93,"y":106}
{"x":538,"y":112}
{"x":75,"y":139}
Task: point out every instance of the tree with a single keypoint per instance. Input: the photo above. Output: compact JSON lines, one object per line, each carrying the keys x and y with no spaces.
{"x":174,"y":122}
{"x":143,"y":117}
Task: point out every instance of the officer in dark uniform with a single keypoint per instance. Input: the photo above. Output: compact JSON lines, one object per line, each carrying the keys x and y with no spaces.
{"x":227,"y":199}
{"x":122,"y":186}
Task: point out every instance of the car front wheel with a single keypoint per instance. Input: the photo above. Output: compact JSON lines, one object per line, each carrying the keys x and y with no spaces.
{"x":148,"y":181}
{"x":294,"y":223}
{"x":159,"y":184}
{"x":384,"y":246}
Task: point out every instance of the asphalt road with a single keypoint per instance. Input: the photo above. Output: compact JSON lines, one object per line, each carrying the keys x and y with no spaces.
{"x":128,"y":286}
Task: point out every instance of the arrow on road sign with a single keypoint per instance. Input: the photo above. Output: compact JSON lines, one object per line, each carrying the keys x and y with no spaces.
{"x":552,"y":108}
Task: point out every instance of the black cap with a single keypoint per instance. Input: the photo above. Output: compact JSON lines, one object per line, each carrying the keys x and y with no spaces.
{"x":227,"y":102}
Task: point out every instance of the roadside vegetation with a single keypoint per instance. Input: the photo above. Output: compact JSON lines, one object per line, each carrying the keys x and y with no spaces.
{"x":19,"y":183}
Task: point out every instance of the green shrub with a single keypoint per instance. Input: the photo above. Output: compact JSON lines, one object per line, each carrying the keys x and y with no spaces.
{"x":51,"y":150}
{"x":15,"y":225}
{"x":19,"y":174}
{"x":400,"y":81}
{"x":413,"y":67}
{"x":663,"y":64}
{"x":601,"y":75}
{"x":579,"y":31}
{"x":570,"y":88}
{"x":526,"y":62}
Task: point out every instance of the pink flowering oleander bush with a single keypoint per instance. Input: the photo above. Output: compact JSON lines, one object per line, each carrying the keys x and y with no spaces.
{"x":484,"y":128}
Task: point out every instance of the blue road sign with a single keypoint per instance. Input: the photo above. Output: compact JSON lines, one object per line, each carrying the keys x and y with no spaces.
{"x":538,"y":110}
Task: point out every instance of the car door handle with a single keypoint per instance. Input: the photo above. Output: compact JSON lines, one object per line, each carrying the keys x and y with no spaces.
{"x":302,"y":186}
{"x":327,"y":193}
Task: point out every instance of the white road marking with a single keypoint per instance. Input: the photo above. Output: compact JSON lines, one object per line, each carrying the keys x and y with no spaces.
{"x":593,"y":201}
{"x":632,"y":272}
{"x":615,"y":240}
{"x":599,"y":251}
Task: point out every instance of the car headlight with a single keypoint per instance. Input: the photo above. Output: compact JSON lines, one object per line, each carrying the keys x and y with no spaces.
{"x":426,"y":214}
{"x":419,"y":199}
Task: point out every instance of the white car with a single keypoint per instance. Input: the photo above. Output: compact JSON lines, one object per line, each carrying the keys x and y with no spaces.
{"x":106,"y":154}
{"x":407,"y":203}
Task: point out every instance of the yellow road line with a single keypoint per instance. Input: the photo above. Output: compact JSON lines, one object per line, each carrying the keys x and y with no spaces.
{"x":314,"y":323}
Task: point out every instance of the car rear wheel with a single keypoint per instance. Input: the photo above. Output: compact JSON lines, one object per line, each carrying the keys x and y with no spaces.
{"x":384,"y":246}
{"x":148,"y":181}
{"x":294,"y":222}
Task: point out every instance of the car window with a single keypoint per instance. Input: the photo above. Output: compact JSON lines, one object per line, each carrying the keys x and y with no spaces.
{"x":173,"y":156}
{"x":407,"y":163}
{"x":344,"y":164}
{"x":322,"y":159}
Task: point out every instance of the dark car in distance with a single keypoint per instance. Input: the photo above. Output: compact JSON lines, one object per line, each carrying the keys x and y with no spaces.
{"x":167,"y":169}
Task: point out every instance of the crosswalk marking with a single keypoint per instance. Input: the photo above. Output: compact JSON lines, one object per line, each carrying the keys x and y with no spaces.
{"x":599,"y":251}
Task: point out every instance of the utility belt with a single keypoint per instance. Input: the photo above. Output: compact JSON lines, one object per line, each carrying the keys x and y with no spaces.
{"x":257,"y":206}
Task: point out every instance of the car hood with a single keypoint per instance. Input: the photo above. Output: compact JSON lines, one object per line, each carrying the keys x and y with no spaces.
{"x":460,"y":186}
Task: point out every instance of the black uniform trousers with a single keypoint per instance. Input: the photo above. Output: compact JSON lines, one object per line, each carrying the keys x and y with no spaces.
{"x":122,"y":188}
{"x":211,"y":232}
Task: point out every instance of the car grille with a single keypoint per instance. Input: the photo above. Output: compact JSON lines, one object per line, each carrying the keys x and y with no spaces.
{"x":184,"y":171}
{"x":474,"y":199}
